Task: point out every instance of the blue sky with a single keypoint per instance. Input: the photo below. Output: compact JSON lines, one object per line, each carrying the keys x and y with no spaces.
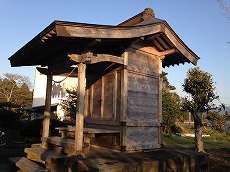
{"x":199,"y":23}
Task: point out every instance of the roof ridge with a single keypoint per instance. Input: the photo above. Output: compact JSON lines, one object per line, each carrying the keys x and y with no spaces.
{"x":147,"y":14}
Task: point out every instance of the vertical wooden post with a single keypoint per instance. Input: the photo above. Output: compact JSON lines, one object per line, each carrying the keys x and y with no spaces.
{"x":47,"y":110}
{"x":86,"y":109}
{"x":80,"y":109}
{"x":124,"y":94}
{"x":102,"y":96}
{"x":91,"y":101}
{"x":160,"y":81}
{"x":115,"y":96}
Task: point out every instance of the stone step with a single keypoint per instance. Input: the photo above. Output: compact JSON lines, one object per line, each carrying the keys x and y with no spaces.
{"x":59,"y":141}
{"x":44,"y":155}
{"x":64,"y":145}
{"x":26,"y":165}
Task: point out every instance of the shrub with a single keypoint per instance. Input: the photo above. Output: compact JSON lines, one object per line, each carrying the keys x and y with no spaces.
{"x":34,"y":128}
{"x":218,"y":120}
{"x":176,"y":129}
{"x":170,"y":110}
{"x":9,"y":119}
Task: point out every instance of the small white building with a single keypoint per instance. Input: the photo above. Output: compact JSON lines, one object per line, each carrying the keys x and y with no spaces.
{"x":58,"y":93}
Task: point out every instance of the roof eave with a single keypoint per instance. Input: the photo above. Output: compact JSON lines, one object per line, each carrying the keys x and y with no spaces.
{"x":181,"y":46}
{"x":80,"y":30}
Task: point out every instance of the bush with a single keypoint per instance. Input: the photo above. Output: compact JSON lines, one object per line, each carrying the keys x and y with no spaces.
{"x":211,"y":132}
{"x":34,"y":128}
{"x":170,"y":110}
{"x":218,"y":120}
{"x":176,"y":129}
{"x":9,"y":119}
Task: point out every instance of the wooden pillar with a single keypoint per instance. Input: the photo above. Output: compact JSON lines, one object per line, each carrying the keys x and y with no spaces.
{"x":80,"y":109}
{"x":160,"y":81}
{"x":47,"y":110}
{"x":124,"y":94}
{"x":115,"y":96}
{"x":102,"y":96}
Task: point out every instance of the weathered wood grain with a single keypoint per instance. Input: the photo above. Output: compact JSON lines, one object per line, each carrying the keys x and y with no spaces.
{"x":47,"y":110}
{"x":80,"y":108}
{"x":139,"y":138}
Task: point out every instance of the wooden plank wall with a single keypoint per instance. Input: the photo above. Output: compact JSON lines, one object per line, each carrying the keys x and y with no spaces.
{"x":103,"y":100}
{"x":143,"y":125}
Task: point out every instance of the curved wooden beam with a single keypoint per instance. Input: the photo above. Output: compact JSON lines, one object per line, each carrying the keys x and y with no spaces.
{"x":89,"y":58}
{"x":96,"y":31}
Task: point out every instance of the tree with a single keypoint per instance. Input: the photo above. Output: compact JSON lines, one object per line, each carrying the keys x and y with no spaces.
{"x":14,"y":88}
{"x":69,"y":103}
{"x":200,"y":86}
{"x":226,"y":7}
{"x":170,"y":105}
{"x":24,"y":98}
{"x":219,"y":121}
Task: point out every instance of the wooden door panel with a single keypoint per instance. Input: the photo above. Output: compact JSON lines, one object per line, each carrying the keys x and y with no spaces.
{"x":96,"y":111}
{"x":108,"y":112}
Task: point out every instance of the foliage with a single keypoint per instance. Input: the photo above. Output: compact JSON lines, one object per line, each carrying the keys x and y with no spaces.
{"x":219,"y":120}
{"x":200,"y":86}
{"x":14,"y":88}
{"x":9,"y":119}
{"x":166,"y":83}
{"x":226,"y":7}
{"x":69,"y":103}
{"x":170,"y":109}
{"x":212,"y":132}
{"x":34,"y":128}
{"x":170,"y":106}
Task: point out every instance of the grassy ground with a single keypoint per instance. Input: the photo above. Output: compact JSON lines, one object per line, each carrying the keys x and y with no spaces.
{"x":217,"y":146}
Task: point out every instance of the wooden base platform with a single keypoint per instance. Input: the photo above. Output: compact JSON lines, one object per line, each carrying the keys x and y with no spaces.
{"x":101,"y":159}
{"x":107,"y":160}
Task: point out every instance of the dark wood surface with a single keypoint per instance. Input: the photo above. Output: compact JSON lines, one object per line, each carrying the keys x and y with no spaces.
{"x":87,"y":130}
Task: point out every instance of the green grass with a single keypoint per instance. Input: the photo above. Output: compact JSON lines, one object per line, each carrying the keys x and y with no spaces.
{"x":217,"y":146}
{"x":174,"y":141}
{"x":215,"y":141}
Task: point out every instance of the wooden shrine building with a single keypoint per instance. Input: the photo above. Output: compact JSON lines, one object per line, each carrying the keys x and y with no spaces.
{"x":119,"y":74}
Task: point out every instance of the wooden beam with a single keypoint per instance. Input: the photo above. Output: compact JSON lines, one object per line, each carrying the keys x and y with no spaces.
{"x":153,"y":36}
{"x":94,"y":42}
{"x":159,"y":110}
{"x":91,"y":101}
{"x":89,"y":58}
{"x":124,"y":94}
{"x":159,"y":39}
{"x":48,"y":35}
{"x":167,"y":52}
{"x":108,"y":58}
{"x":44,"y":71}
{"x":71,"y":71}
{"x":82,"y":58}
{"x":57,"y":68}
{"x":158,"y":46}
{"x":152,"y":51}
{"x":80,"y":109}
{"x":46,"y":120}
{"x":102,"y":96}
{"x":86,"y":114}
{"x":115,"y":96}
{"x":108,"y":32}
